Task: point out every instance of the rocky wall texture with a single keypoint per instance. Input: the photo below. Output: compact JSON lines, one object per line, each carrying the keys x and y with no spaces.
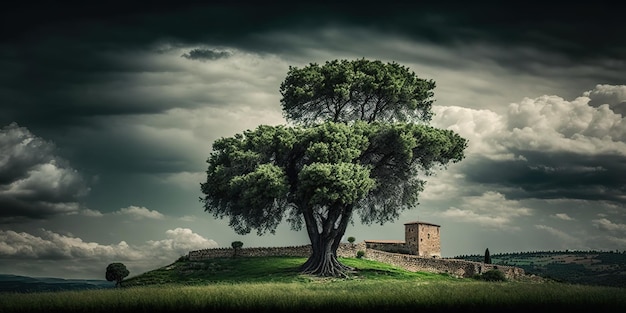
{"x":454,"y":267}
{"x":346,"y":250}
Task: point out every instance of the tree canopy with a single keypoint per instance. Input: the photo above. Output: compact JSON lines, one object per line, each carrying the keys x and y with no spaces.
{"x":116,"y":272}
{"x":354,"y":149}
{"x":343,"y":90}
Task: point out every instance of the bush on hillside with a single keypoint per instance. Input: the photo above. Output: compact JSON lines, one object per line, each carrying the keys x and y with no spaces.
{"x":493,"y":275}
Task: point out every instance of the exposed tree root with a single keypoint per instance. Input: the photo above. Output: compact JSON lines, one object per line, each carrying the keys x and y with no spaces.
{"x":326,"y":265}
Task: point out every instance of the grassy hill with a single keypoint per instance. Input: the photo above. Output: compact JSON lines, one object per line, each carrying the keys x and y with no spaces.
{"x":266,"y":269}
{"x":577,"y":267}
{"x":273,"y":284}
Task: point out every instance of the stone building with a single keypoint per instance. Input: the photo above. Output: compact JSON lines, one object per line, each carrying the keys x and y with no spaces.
{"x":420,"y":238}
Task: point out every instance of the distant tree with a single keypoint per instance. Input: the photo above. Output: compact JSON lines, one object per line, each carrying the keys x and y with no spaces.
{"x":360,"y":144}
{"x":116,"y":272}
{"x":487,"y":257}
{"x":351,"y":239}
{"x":236,"y":246}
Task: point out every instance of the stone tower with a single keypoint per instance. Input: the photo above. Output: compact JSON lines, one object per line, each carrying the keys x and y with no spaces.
{"x":423,"y":239}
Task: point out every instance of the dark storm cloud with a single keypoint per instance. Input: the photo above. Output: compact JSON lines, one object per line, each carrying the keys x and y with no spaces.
{"x":34,"y":181}
{"x":573,"y":28}
{"x":57,"y":63}
{"x":556,"y":175}
{"x":206,"y":54}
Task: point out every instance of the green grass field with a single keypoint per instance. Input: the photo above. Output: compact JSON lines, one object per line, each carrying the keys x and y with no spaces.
{"x":274,"y":285}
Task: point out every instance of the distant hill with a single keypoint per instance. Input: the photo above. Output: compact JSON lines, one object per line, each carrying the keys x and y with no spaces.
{"x":23,"y":284}
{"x":577,"y":267}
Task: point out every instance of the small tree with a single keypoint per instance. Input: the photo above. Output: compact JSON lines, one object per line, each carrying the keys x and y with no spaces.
{"x":116,"y":272}
{"x":351,"y":239}
{"x":487,"y":257}
{"x":236,"y":246}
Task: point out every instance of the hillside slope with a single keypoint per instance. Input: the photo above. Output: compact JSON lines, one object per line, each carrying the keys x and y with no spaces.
{"x":577,"y":267}
{"x":16,"y":283}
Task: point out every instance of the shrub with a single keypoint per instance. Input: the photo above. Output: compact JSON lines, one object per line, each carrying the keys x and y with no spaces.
{"x":360,"y":254}
{"x":236,"y":246}
{"x":493,"y":275}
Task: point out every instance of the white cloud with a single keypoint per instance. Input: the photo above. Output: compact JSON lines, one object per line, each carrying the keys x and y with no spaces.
{"x":55,"y":246}
{"x":180,"y":241}
{"x":186,"y":105}
{"x":606,"y":224}
{"x":86,"y":258}
{"x":91,"y":213}
{"x":467,"y":215}
{"x":490,"y":209}
{"x":189,"y":180}
{"x":51,"y":245}
{"x":543,"y":147}
{"x":484,"y":130}
{"x":614,"y":96}
{"x":188,"y":218}
{"x":139,"y":212}
{"x":567,"y":240}
{"x":546,"y":124}
{"x":550,"y":123}
{"x":618,"y":241}
{"x":563,"y":216}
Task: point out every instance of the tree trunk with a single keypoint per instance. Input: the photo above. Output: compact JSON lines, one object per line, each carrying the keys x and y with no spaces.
{"x":324,"y":244}
{"x":323,"y":261}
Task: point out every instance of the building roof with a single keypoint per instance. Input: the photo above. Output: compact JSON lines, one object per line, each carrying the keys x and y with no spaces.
{"x":385,"y":241}
{"x":422,"y":223}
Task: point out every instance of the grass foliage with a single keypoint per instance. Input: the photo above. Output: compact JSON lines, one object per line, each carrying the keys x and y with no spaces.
{"x":274,"y":285}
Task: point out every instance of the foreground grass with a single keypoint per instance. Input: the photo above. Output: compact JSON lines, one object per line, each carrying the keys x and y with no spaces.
{"x":275,"y":286}
{"x":357,"y":296}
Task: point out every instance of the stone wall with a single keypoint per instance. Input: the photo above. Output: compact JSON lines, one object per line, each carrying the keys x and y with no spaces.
{"x":414,"y":263}
{"x":454,"y":267}
{"x":346,"y":250}
{"x":301,"y":251}
{"x":393,"y":247}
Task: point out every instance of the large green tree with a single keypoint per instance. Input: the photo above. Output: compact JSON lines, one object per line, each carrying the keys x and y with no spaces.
{"x":342,"y":91}
{"x":321,"y":171}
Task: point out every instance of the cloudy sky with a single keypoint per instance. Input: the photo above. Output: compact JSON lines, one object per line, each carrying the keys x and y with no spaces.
{"x":108,"y":113}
